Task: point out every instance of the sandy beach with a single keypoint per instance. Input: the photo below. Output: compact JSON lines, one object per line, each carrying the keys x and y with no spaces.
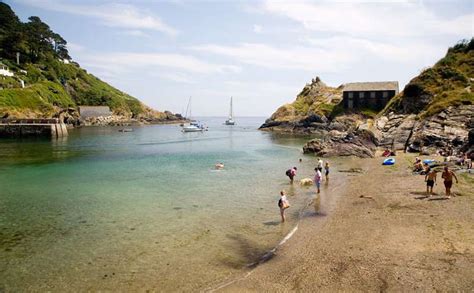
{"x":383,"y":235}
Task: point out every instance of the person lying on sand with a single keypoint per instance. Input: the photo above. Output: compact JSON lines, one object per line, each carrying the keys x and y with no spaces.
{"x":430,"y":180}
{"x":386,"y":153}
{"x":448,"y":180}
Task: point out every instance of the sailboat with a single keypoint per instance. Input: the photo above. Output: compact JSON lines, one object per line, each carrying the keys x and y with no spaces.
{"x":193,"y":126}
{"x":230,"y":121}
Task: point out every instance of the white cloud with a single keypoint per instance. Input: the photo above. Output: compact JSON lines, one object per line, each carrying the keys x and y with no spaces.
{"x":407,"y":53}
{"x":110,"y":14}
{"x":257,"y":28}
{"x":369,"y":19}
{"x":123,"y":62}
{"x":176,"y":77}
{"x":135,"y":33}
{"x":301,"y":58}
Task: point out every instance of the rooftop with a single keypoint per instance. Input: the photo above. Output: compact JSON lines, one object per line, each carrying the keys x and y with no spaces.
{"x":371,"y":86}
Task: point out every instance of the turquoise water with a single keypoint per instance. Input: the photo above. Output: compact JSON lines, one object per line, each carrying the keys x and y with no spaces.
{"x":105,"y":210}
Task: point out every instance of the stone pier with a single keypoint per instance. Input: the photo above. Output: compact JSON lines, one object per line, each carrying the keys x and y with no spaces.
{"x":32,"y":127}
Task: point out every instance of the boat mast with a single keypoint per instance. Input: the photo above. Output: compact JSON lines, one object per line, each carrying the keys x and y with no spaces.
{"x":231,"y":114}
{"x":188,"y":109}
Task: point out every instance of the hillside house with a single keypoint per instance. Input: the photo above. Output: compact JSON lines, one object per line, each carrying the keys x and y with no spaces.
{"x":4,"y":70}
{"x":372,"y":95}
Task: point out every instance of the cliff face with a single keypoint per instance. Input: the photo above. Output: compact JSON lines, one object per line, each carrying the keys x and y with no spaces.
{"x":309,"y":113}
{"x":434,"y":111}
{"x":53,"y":83}
{"x":436,"y":108}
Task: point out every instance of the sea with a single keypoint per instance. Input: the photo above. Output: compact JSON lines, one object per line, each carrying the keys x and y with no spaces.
{"x":145,"y":210}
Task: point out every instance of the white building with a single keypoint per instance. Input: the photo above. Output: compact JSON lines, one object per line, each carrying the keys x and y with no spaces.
{"x":4,"y":70}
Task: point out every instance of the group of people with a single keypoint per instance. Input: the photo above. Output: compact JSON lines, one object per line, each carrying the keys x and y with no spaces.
{"x":283,"y":202}
{"x":447,"y":176}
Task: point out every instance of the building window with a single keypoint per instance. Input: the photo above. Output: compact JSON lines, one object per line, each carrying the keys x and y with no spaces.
{"x":351,"y":95}
{"x":361,"y":95}
{"x":372,"y":95}
{"x":385,"y":94}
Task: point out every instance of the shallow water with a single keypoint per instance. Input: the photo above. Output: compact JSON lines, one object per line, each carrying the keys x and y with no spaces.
{"x":105,"y":210}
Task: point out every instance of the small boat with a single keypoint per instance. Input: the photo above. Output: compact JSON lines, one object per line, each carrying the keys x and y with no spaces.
{"x":389,"y":161}
{"x":194,"y":126}
{"x":230,"y":121}
{"x":126,"y":130}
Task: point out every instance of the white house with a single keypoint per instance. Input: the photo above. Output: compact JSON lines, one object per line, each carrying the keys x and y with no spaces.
{"x":4,"y":70}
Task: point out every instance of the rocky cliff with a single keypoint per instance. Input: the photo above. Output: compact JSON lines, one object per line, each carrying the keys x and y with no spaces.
{"x":436,"y":108}
{"x":434,"y":111}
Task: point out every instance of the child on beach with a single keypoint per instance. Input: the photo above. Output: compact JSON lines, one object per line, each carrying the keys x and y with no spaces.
{"x":430,"y":180}
{"x":448,"y":180}
{"x":317,"y":179}
{"x":326,"y":169}
{"x":283,"y":204}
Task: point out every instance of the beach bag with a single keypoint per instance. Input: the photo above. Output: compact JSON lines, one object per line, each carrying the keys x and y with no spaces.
{"x":288,"y":172}
{"x":285,"y":205}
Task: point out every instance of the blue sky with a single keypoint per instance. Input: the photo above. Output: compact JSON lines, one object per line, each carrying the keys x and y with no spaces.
{"x":260,"y":52}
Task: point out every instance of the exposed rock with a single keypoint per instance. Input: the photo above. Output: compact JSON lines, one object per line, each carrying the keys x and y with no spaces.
{"x":361,"y":143}
{"x":447,"y":128}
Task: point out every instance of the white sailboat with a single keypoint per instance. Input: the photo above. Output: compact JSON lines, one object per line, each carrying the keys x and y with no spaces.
{"x":230,"y":121}
{"x":193,"y":126}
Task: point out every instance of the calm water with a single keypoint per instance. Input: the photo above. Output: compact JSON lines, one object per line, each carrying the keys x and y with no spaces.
{"x":104,"y":210}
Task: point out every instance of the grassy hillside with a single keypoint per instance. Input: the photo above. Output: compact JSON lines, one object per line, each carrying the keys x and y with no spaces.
{"x":447,"y":83}
{"x":315,"y":98}
{"x":52,"y":81}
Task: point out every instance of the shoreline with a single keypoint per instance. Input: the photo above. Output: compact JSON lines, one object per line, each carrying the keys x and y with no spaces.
{"x":379,"y":237}
{"x":316,"y":206}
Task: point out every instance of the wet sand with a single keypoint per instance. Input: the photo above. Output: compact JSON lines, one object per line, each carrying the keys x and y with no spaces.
{"x":383,"y":235}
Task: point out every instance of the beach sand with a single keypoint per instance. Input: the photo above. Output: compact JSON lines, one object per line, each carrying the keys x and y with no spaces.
{"x":383,"y":235}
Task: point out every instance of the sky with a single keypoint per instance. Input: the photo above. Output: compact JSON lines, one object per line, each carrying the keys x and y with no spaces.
{"x":261,"y":52}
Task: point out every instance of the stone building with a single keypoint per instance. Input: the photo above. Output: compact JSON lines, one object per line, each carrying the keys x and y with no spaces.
{"x":371,"y":95}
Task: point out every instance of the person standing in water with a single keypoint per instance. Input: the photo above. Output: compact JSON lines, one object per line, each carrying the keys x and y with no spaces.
{"x":317,"y":179}
{"x":320,"y":165}
{"x":283,"y":204}
{"x":430,"y":179}
{"x":448,"y":180}
{"x":326,"y":170}
{"x":291,"y":173}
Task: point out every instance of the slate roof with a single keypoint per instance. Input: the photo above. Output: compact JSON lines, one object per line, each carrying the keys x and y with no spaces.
{"x":371,"y":86}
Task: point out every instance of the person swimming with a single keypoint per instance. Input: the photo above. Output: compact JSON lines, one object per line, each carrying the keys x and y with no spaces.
{"x":219,"y":166}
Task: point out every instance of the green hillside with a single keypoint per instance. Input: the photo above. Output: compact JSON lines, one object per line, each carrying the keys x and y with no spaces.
{"x":447,"y":83}
{"x":52,"y":81}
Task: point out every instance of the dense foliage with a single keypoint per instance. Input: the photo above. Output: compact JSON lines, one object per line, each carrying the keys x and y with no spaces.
{"x":52,"y":81}
{"x":447,"y":83}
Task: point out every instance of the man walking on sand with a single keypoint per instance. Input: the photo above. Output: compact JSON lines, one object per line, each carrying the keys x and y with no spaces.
{"x":448,"y":180}
{"x":430,"y":179}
